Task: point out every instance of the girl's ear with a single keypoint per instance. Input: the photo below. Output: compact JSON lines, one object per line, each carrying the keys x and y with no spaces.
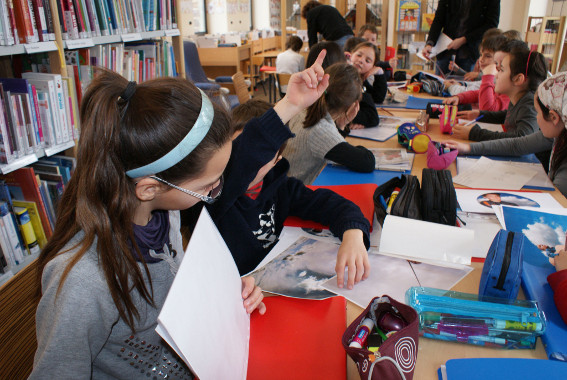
{"x":519,"y":79}
{"x":147,"y":189}
{"x":555,"y":118}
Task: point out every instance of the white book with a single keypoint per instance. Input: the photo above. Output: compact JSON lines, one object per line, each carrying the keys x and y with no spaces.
{"x":10,"y":228}
{"x":20,"y":125}
{"x":47,"y":87}
{"x":5,"y":136}
{"x":60,"y":100}
{"x":68,"y":110}
{"x":6,"y":245}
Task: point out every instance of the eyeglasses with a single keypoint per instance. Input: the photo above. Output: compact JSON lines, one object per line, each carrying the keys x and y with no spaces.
{"x":209,"y":198}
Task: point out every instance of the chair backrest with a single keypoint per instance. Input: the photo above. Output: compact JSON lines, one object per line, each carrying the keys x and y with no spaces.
{"x":193,"y":68}
{"x":240,"y":87}
{"x":18,"y":303}
{"x":282,"y":79}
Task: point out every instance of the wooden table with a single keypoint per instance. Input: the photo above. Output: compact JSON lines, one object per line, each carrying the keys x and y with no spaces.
{"x":433,"y":353}
{"x":225,"y":61}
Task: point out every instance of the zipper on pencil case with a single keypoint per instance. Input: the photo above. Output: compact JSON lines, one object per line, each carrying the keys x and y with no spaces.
{"x":505,"y":262}
{"x":476,"y":309}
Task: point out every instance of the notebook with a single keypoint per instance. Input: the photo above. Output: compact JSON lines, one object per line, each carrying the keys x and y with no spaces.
{"x":415,"y":103}
{"x":298,"y":339}
{"x":360,"y":194}
{"x":339,"y":175}
{"x":501,"y":368}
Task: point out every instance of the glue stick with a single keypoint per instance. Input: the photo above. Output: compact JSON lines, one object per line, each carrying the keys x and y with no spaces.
{"x":362,"y":333}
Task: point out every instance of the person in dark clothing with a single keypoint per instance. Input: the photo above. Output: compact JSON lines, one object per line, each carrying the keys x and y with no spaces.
{"x":334,"y":54}
{"x":464,"y":21}
{"x":327,"y":21}
{"x":258,"y":196}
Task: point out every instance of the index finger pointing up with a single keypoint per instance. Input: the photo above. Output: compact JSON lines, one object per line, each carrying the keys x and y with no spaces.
{"x":318,"y":64}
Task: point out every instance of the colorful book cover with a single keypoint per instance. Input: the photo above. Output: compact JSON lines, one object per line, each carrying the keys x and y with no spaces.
{"x":426,"y":21}
{"x":13,"y":235}
{"x":26,"y":228}
{"x":408,"y":15}
{"x":35,"y":220}
{"x":23,"y":185}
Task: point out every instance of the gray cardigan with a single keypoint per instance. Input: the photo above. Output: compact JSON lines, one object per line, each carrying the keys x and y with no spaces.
{"x":519,"y":120}
{"x":518,"y":146}
{"x":80,"y":334}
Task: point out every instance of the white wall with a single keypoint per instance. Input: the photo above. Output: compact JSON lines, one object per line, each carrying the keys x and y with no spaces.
{"x":514,"y":14}
{"x":261,"y":14}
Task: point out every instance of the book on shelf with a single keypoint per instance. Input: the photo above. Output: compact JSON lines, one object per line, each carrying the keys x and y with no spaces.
{"x":35,"y":220}
{"x":26,"y":229}
{"x":23,"y":185}
{"x":9,"y":231}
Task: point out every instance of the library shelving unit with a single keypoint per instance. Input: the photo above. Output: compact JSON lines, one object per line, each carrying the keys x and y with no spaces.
{"x":18,"y":299}
{"x":547,"y":36}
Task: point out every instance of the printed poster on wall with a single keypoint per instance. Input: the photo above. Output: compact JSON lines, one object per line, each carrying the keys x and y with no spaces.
{"x":426,"y":21}
{"x":408,"y":15}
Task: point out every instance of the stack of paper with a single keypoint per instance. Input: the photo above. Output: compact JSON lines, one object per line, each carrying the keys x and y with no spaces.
{"x":393,"y":159}
{"x":492,"y":174}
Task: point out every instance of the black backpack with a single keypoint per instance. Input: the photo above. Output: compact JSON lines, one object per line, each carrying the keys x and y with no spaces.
{"x":408,"y":202}
{"x":438,"y":197}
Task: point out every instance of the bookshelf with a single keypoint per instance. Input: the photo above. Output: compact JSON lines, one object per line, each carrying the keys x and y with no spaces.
{"x":547,"y":36}
{"x":56,"y":43}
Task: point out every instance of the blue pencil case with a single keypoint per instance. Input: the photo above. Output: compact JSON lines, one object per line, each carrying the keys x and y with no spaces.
{"x":464,"y":318}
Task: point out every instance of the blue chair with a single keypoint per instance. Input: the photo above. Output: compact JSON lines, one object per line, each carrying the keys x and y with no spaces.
{"x":195,"y":73}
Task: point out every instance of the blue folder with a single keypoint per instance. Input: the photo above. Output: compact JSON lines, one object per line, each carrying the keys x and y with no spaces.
{"x":421,"y":103}
{"x":339,"y":175}
{"x":502,"y":368}
{"x":534,"y":282}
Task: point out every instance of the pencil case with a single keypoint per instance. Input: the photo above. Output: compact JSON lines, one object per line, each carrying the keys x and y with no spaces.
{"x":383,"y":340}
{"x":439,"y":156}
{"x":502,"y":270}
{"x":472,"y":319}
{"x":448,"y":118}
{"x":406,"y":201}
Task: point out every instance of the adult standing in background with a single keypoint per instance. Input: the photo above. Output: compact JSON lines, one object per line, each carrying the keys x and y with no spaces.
{"x":326,"y":20}
{"x":464,"y":21}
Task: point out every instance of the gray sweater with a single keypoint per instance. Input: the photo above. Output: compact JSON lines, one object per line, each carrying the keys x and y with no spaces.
{"x":306,"y":152}
{"x":534,"y":143}
{"x":80,"y":334}
{"x":519,"y":120}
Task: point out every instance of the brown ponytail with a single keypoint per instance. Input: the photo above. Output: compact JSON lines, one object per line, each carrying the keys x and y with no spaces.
{"x":344,"y":89}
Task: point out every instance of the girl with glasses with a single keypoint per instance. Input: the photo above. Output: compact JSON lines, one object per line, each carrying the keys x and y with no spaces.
{"x":146,"y":151}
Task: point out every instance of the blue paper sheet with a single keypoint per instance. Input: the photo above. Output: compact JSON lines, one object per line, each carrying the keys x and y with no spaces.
{"x":421,"y":103}
{"x":339,"y":175}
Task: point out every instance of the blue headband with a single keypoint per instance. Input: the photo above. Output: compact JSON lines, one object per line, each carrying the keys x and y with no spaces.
{"x":185,"y":146}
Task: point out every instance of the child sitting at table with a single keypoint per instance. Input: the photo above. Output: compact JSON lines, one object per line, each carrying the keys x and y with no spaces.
{"x":519,"y":76}
{"x":290,"y":61}
{"x":317,"y":129}
{"x":485,"y":96}
{"x":364,"y":58}
{"x":258,"y":196}
{"x":550,"y":102}
{"x":558,"y":282}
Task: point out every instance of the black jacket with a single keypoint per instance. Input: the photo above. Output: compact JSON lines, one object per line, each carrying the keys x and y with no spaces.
{"x":326,"y":20}
{"x":456,"y":18}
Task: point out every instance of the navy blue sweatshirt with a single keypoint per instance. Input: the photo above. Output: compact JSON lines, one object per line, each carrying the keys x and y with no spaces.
{"x":250,"y":227}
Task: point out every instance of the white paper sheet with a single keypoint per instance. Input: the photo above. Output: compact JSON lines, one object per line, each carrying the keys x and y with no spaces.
{"x":427,"y":242}
{"x":488,"y":126}
{"x":492,"y":174}
{"x":203,"y":318}
{"x":380,"y":133}
{"x":485,"y":227}
{"x":481,"y":201}
{"x":442,"y":43}
{"x":539,"y":180}
{"x":393,"y":276}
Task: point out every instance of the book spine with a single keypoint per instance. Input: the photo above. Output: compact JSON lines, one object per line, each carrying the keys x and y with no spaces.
{"x":49,"y":20}
{"x":33,"y":21}
{"x":9,"y":117}
{"x":21,"y":12}
{"x":37,"y":118}
{"x":8,"y":36}
{"x":71,"y":20}
{"x":46,"y":119}
{"x":11,"y":232}
{"x":18,"y":121}
{"x":41,"y":23}
{"x":93,"y":18}
{"x":31,"y":122}
{"x":84,"y":28}
{"x":13,"y":24}
{"x":173,"y":14}
{"x":111,"y":16}
{"x":61,"y":9}
{"x":102,"y":17}
{"x":6,"y":245}
{"x":6,"y":151}
{"x":27,"y":131}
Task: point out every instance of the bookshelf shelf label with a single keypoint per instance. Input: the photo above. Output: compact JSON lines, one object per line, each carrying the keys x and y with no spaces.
{"x":80,"y":43}
{"x":171,"y":32}
{"x":131,"y":37}
{"x":40,"y":47}
{"x":19,"y":163}
{"x":59,"y":148}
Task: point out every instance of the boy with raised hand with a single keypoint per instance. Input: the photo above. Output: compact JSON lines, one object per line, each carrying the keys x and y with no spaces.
{"x":258,"y":196}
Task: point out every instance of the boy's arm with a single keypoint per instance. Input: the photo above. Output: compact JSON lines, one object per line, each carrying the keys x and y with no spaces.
{"x":367,"y":115}
{"x":488,"y":100}
{"x":379,"y":89}
{"x":328,"y":208}
{"x":468,"y":97}
{"x":526,"y":123}
{"x":495,"y":117}
{"x":534,"y":143}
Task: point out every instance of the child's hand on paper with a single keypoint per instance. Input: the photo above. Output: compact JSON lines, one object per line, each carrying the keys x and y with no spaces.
{"x":453,"y":100}
{"x":252,"y":296}
{"x":356,"y":126}
{"x":469,"y":115}
{"x":463,"y":148}
{"x":560,"y":261}
{"x":303,"y":89}
{"x":461,"y":131}
{"x":352,"y":254}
